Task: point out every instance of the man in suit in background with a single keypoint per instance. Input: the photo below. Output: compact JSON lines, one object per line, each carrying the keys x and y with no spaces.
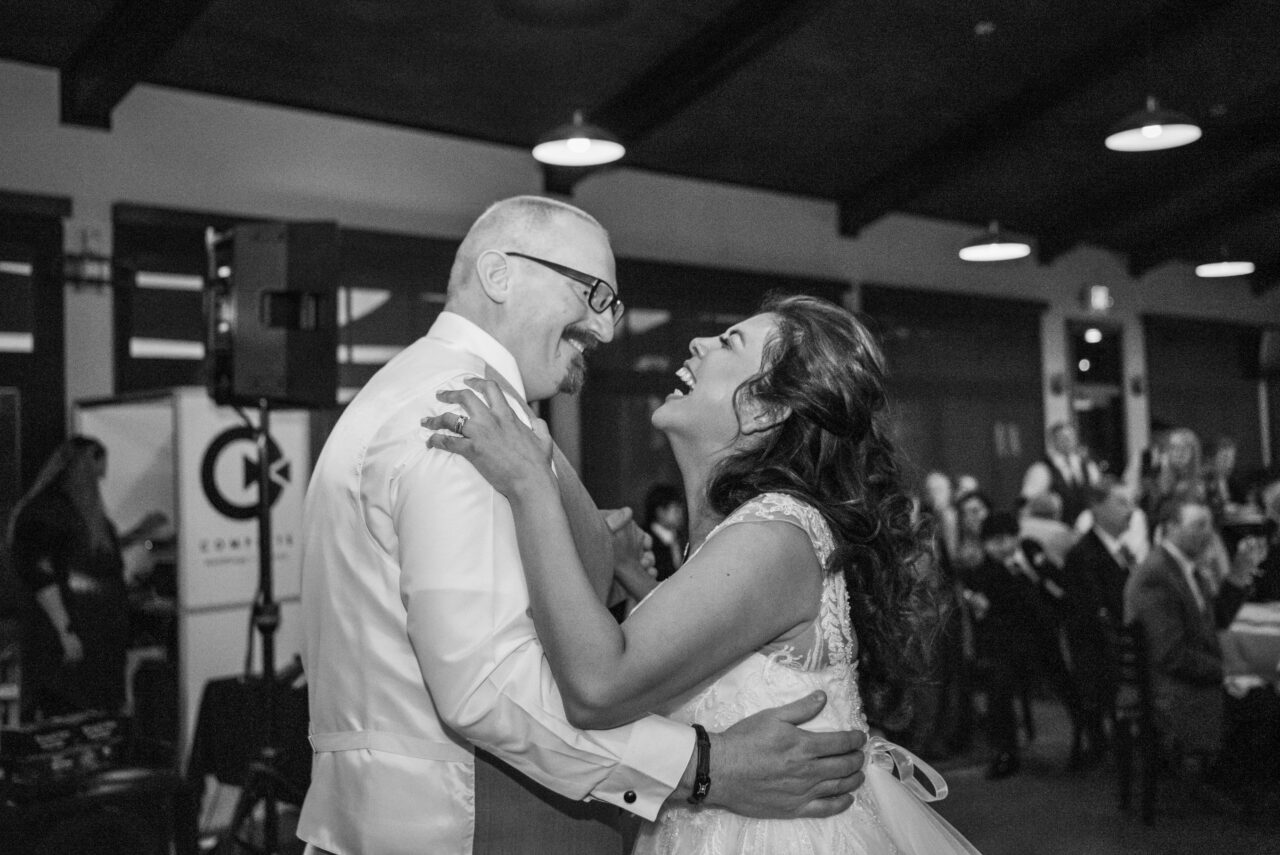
{"x":1096,"y":572}
{"x":1180,"y":616}
{"x":1017,"y":602}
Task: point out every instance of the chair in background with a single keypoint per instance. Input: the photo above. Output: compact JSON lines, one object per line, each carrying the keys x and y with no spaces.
{"x":231,"y":729}
{"x":10,"y":683}
{"x":1135,"y":735}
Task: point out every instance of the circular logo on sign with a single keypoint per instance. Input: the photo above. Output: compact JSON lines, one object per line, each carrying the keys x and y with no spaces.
{"x":230,"y":483}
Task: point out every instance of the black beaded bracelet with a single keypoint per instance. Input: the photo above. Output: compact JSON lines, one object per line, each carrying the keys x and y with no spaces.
{"x":702,"y":777}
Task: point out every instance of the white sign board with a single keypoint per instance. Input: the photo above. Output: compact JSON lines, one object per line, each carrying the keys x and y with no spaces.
{"x":177,"y":453}
{"x":217,"y":464}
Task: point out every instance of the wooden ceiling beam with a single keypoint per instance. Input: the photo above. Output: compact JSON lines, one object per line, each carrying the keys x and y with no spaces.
{"x":118,"y":53}
{"x":1264,"y":279}
{"x":696,"y":67}
{"x":957,"y":152}
{"x":1204,"y":217}
{"x":701,"y":63}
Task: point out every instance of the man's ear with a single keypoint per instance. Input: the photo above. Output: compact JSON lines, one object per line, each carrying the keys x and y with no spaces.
{"x":755,"y":417}
{"x":494,"y":274}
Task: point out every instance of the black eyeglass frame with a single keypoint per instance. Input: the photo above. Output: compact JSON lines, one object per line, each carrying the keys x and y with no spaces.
{"x":595,"y":285}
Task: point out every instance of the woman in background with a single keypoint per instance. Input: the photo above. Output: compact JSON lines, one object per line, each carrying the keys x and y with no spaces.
{"x":68,"y":555}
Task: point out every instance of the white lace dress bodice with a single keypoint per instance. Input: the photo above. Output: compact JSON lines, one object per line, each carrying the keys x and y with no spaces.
{"x":885,"y":817}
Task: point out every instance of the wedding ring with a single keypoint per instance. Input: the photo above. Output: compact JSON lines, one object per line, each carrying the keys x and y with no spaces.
{"x":460,"y":423}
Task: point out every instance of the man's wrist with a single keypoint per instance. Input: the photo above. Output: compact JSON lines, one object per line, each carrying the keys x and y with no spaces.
{"x":685,"y":787}
{"x":702,"y":777}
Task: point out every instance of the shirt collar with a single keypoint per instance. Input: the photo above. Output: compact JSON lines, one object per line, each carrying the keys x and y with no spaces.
{"x":1188,"y":573}
{"x":1187,"y":565}
{"x":460,"y":332}
{"x":1111,"y":543}
{"x":664,"y":534}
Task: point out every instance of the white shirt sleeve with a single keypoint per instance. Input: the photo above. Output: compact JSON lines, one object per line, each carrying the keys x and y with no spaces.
{"x":1037,"y":480}
{"x":464,"y":593}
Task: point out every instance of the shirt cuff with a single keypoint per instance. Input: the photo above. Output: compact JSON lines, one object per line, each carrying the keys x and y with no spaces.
{"x":656,"y":756}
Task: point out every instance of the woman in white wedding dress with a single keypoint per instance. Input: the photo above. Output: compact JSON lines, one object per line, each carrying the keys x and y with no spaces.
{"x":801,"y":574}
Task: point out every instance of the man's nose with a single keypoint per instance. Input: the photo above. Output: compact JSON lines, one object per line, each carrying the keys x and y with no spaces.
{"x":601,"y":323}
{"x":697,"y":346}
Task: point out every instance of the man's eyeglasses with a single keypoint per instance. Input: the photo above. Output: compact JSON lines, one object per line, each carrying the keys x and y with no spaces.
{"x":600,"y":294}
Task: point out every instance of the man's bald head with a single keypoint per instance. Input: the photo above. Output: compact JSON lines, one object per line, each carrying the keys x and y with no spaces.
{"x":524,"y":274}
{"x":523,"y":223}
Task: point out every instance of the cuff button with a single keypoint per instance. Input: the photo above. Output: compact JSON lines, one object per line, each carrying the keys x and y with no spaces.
{"x":629,"y":797}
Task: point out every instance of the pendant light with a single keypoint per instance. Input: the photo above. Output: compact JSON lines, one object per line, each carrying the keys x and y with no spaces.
{"x":1152,"y":129}
{"x":578,"y":144}
{"x":991,"y":245}
{"x":1224,"y":266}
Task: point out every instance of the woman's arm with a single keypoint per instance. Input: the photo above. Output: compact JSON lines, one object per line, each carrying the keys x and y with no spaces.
{"x":749,"y":585}
{"x":49,"y":598}
{"x":744,"y":588}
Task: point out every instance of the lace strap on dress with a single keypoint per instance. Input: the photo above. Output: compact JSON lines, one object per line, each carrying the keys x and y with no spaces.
{"x":780,"y":507}
{"x":833,"y":615}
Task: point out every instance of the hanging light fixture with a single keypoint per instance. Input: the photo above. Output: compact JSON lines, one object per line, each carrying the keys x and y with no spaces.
{"x":1152,"y":129}
{"x":578,"y":144}
{"x":991,"y":245}
{"x":1224,"y":266}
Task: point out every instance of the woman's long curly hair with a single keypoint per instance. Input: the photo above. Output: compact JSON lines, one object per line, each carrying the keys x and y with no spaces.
{"x":834,"y":453}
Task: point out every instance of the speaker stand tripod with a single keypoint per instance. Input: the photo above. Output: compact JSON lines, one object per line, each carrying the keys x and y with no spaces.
{"x":264,"y":783}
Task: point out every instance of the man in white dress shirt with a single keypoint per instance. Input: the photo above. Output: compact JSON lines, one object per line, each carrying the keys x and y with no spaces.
{"x":418,"y":644}
{"x":1065,"y":470}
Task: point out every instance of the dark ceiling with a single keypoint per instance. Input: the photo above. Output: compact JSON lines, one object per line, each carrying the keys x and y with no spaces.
{"x":963,"y":110}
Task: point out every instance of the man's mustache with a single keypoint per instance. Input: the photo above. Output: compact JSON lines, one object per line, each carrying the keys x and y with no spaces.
{"x":588,"y":341}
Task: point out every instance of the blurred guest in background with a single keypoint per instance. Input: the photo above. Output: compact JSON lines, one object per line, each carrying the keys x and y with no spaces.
{"x":944,"y":723}
{"x":1041,"y":521}
{"x":1180,"y":614}
{"x":938,"y":503}
{"x":1176,"y":468}
{"x":972,"y":508}
{"x":1096,"y":572}
{"x":68,"y":555}
{"x":664,"y":519}
{"x":1015,"y":595}
{"x":1267,"y":588}
{"x":1226,"y":489}
{"x":1065,"y":470}
{"x":1140,"y":474}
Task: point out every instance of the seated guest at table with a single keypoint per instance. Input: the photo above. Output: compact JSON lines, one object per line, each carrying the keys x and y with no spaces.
{"x":1267,"y":588}
{"x":1227,"y":489}
{"x":1176,"y":469}
{"x":1096,"y":571}
{"x":1180,"y":615}
{"x":1041,"y":521}
{"x":1017,"y":593}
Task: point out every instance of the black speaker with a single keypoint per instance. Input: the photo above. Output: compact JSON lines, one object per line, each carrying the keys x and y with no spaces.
{"x":271,"y":316}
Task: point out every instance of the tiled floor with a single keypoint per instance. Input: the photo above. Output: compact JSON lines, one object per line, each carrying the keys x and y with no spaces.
{"x":1046,"y":810}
